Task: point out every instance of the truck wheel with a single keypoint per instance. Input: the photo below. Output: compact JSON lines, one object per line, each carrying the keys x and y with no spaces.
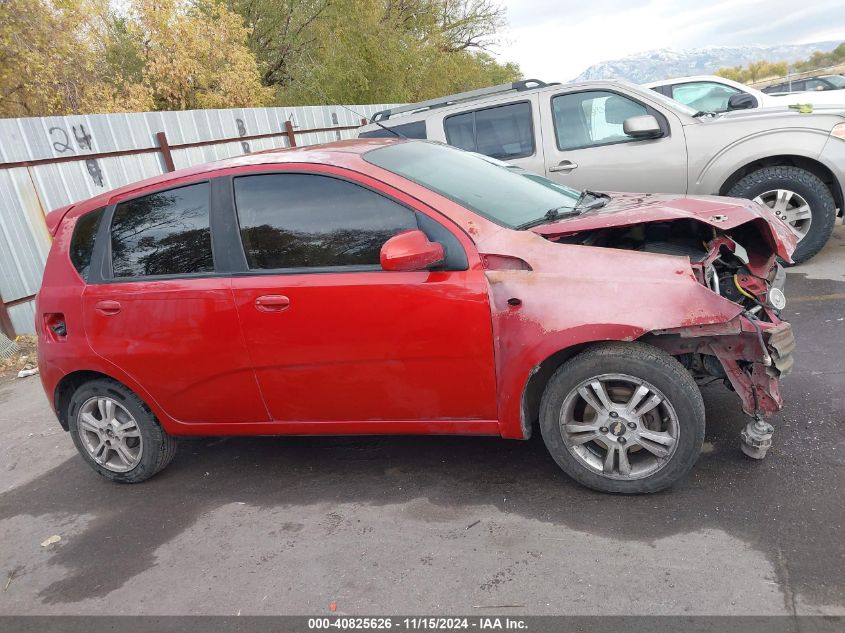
{"x":116,"y":433}
{"x":797,"y":197}
{"x":624,"y":418}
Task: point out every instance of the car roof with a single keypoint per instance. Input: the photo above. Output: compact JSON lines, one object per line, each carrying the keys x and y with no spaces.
{"x":475,"y":103}
{"x":338,"y":153}
{"x":675,"y":80}
{"x":326,"y":154}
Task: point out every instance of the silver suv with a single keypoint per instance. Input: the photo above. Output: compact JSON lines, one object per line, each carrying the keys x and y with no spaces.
{"x":614,"y":135}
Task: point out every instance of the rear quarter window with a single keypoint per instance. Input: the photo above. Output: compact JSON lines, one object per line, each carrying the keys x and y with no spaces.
{"x":164,"y":233}
{"x":82,"y":242}
{"x":504,"y":131}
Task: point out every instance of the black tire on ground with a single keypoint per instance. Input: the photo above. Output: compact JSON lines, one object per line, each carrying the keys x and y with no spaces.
{"x":644,"y":362}
{"x":158,"y":447}
{"x":805,"y":184}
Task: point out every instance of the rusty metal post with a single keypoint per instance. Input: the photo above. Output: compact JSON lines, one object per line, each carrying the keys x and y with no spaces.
{"x":161,"y":137}
{"x":291,"y":134}
{"x":6,"y":321}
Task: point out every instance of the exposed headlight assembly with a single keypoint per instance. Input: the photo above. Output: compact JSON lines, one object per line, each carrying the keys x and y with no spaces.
{"x":777,"y":299}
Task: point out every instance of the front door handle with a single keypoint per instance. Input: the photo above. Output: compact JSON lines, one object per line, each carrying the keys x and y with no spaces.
{"x":109,"y":308}
{"x":272,"y":303}
{"x":565,"y":166}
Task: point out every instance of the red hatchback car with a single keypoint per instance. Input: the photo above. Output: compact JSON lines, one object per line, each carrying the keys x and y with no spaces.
{"x":379,"y":287}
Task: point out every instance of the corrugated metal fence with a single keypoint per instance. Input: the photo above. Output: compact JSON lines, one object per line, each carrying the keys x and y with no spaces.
{"x":48,"y":162}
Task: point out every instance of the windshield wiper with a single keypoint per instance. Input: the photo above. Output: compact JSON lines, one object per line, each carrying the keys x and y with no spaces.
{"x":581,"y":205}
{"x":598,"y":200}
{"x":550,"y":216}
{"x":702,"y":113}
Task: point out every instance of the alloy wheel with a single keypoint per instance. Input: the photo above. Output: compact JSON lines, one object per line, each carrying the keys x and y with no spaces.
{"x":110,"y":434}
{"x":619,"y":426}
{"x":790,"y":207}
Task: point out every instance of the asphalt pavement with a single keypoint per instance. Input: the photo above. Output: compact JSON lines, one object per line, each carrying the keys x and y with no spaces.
{"x":420,"y":525}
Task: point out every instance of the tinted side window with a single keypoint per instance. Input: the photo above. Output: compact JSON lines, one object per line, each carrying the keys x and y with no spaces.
{"x":408,"y":130}
{"x":460,"y":131}
{"x":165,"y":233}
{"x":587,"y":119}
{"x":306,"y":220}
{"x":82,"y":242}
{"x":502,"y":132}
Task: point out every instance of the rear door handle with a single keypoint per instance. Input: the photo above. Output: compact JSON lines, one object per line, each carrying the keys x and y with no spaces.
{"x":272,"y":303}
{"x":564,"y":165}
{"x":109,"y":308}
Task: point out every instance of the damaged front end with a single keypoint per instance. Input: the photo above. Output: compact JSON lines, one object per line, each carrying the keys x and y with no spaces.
{"x":753,"y":350}
{"x":749,"y":355}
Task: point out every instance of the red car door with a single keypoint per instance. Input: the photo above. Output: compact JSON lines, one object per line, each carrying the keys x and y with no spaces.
{"x":159,"y":313}
{"x":333,"y":337}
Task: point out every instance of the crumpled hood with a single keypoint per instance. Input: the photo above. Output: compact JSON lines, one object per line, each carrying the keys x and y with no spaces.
{"x":627,"y":209}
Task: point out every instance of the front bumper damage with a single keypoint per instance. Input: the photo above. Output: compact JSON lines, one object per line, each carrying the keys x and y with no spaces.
{"x":754,"y":371}
{"x":750,"y":355}
{"x":760,"y":388}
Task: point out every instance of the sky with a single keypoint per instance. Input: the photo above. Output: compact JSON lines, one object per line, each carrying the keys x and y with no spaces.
{"x":555,"y":40}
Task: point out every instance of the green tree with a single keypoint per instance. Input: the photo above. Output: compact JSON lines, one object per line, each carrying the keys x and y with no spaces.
{"x":51,"y":60}
{"x":755,"y":71}
{"x":84,"y":56}
{"x":194,"y":55}
{"x":279,"y":32}
{"x":822,"y":60}
{"x":733,"y":72}
{"x":366,"y":51}
{"x":79,"y":56}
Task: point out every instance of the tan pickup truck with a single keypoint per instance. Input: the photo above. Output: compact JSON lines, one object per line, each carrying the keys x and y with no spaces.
{"x":617,"y":136}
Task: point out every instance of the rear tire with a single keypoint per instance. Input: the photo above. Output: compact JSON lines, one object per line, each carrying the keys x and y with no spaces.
{"x":652,"y":426}
{"x":766,"y":182}
{"x":116,"y":433}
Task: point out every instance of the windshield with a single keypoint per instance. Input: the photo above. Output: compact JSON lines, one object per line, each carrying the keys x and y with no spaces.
{"x":498,"y":193}
{"x":671,"y":103}
{"x":836,"y":80}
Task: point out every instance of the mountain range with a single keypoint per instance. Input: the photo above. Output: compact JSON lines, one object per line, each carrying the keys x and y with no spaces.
{"x":666,"y":63}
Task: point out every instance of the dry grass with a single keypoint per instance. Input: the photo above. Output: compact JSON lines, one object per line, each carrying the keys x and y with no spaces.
{"x":9,"y":367}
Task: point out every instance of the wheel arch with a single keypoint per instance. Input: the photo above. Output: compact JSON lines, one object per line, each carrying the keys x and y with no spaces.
{"x":538,"y":378}
{"x":68,"y":385}
{"x":813,"y":166}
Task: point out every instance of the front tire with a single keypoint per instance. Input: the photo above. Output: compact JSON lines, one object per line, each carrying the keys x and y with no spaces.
{"x":116,"y":433}
{"x":623,"y":418}
{"x":797,"y":197}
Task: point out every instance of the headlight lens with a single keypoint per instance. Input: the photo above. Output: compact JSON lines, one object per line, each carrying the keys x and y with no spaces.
{"x":777,"y":299}
{"x":838,"y":131}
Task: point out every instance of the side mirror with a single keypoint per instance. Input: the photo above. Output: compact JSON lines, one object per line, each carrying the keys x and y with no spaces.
{"x":411,"y":250}
{"x":643,"y":126}
{"x":741,"y":101}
